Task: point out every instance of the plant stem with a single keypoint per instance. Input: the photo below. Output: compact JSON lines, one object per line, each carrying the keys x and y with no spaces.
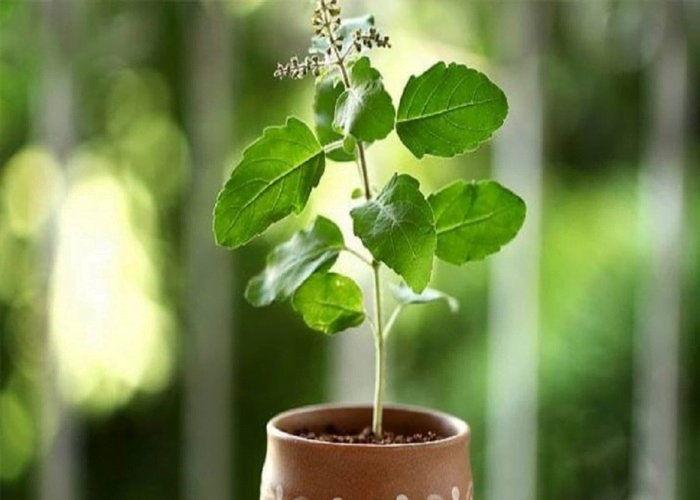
{"x":380,"y":355}
{"x":340,"y":60}
{"x":359,"y":256}
{"x":363,"y":170}
{"x":330,"y":147}
{"x":392,"y":319}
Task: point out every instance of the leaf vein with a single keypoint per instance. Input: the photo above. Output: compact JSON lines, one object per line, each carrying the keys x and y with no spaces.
{"x":450,"y":110}
{"x":475,"y":220}
{"x":257,"y":196}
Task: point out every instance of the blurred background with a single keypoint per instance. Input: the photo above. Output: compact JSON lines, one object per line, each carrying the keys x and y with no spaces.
{"x":132,"y":369}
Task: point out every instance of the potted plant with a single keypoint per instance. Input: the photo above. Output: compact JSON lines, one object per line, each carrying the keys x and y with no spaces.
{"x":362,"y":452}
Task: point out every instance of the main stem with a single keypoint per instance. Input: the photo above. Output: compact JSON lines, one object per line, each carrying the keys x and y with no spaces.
{"x":380,"y":354}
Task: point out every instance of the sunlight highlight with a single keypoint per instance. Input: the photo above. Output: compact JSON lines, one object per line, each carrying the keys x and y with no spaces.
{"x":109,"y":330}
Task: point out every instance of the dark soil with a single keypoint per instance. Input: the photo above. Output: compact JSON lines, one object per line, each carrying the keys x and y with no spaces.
{"x":366,"y":436}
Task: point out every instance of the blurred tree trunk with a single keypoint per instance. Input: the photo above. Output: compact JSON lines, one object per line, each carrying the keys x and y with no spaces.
{"x":209,"y":302}
{"x":59,"y":469}
{"x":659,"y":301}
{"x":514,"y":300}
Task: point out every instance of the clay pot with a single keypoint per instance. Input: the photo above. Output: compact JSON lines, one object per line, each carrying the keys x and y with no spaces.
{"x":300,"y":469}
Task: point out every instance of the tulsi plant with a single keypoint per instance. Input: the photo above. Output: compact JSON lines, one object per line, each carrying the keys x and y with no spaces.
{"x":448,"y":110}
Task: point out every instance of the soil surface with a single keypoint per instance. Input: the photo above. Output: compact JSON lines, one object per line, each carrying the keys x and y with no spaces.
{"x":366,"y":436}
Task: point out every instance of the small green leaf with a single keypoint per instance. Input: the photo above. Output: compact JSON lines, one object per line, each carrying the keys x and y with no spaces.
{"x":291,"y":263}
{"x":475,"y":220}
{"x":365,"y":110}
{"x":398,"y":228}
{"x":328,"y":90}
{"x":406,"y":296}
{"x":357,"y":193}
{"x":319,"y":44}
{"x":449,"y":110}
{"x":330,"y":303}
{"x":274,"y":179}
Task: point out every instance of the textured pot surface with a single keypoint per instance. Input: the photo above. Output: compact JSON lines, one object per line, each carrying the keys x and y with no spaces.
{"x":301,"y":469}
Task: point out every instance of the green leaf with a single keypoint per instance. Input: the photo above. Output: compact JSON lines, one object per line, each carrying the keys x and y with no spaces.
{"x":406,"y":296}
{"x":449,"y":110}
{"x":291,"y":263}
{"x":357,"y":193}
{"x":365,"y":110}
{"x":274,"y":179}
{"x":398,"y":228}
{"x":328,"y":90}
{"x":475,"y":220}
{"x":348,"y":26}
{"x":330,"y":303}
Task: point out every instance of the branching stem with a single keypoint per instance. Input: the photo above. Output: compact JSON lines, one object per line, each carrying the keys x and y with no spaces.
{"x":392,"y":319}
{"x":363,"y":170}
{"x":339,"y":58}
{"x":359,"y":256}
{"x":333,"y":146}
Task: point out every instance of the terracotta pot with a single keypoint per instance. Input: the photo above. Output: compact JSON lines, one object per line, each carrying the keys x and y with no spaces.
{"x":300,"y":469}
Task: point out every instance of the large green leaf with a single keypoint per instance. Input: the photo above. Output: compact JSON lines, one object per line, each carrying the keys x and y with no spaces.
{"x":365,"y":110}
{"x":475,"y":219}
{"x":330,"y":303}
{"x":274,"y":179}
{"x":405,"y":296}
{"x":398,"y":228}
{"x":291,"y":263}
{"x":449,"y":110}
{"x":328,"y":90}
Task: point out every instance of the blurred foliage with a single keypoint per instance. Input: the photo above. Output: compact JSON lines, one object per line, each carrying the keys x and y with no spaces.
{"x":131,"y":128}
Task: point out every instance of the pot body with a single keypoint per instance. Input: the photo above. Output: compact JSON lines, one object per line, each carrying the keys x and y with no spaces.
{"x":301,"y":469}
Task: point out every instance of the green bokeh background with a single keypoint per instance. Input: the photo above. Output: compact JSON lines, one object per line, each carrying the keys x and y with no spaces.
{"x":131,"y":67}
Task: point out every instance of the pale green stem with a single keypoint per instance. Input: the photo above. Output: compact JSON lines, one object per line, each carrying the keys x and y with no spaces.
{"x":380,"y":355}
{"x":392,"y":319}
{"x":333,"y":146}
{"x":363,"y":170}
{"x":358,"y":255}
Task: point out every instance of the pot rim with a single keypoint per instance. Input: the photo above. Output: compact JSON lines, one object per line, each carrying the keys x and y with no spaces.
{"x":462,"y":429}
